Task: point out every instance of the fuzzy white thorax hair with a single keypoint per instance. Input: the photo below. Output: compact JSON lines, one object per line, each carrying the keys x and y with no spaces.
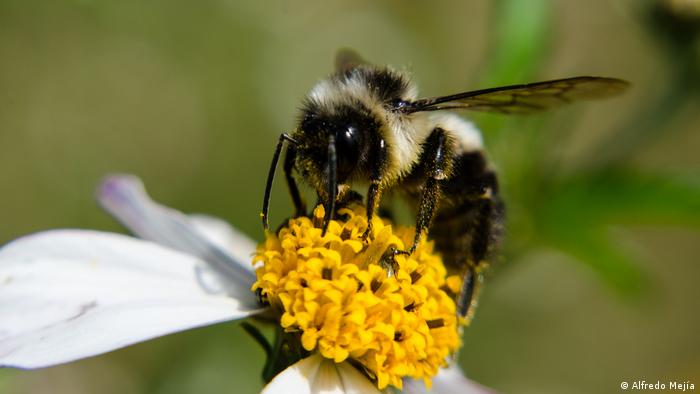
{"x":405,"y":137}
{"x":402,"y":133}
{"x":347,"y":89}
{"x":464,"y":132}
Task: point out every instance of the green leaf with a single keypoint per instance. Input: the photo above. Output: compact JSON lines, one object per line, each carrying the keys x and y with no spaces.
{"x":521,"y":40}
{"x":575,"y":215}
{"x":628,"y":197}
{"x":593,"y":247}
{"x":519,"y":44}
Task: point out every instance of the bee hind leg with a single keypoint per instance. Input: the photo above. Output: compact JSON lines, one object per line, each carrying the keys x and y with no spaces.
{"x":469,"y":293}
{"x":483,"y":238}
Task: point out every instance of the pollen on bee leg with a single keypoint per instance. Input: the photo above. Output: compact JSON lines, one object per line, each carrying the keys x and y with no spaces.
{"x":334,"y":290}
{"x":318,"y":215}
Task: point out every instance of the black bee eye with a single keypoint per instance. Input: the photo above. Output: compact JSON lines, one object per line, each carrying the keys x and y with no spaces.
{"x":347,"y":142}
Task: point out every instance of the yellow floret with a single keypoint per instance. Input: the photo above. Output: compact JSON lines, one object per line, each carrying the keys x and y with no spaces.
{"x":350,"y":300}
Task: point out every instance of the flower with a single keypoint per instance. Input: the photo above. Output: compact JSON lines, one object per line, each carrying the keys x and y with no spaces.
{"x":70,"y":294}
{"x":333,"y":290}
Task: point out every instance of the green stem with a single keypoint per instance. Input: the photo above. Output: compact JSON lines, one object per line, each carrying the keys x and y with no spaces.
{"x":258,"y":337}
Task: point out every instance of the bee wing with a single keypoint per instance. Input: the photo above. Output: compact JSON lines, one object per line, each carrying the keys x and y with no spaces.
{"x":526,"y":98}
{"x":346,"y":59}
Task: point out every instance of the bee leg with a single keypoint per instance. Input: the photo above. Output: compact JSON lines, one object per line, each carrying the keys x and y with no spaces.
{"x":436,"y":160}
{"x":373,"y":196}
{"x":299,"y":204}
{"x":388,"y":262}
{"x":332,"y":191}
{"x":374,"y":193}
{"x":468,"y":294}
{"x":482,"y":237}
{"x":271,"y":177}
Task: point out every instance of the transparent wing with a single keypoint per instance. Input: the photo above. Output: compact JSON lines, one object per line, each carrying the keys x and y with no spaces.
{"x":526,"y":98}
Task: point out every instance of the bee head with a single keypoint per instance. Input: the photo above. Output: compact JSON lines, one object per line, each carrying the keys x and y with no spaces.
{"x":334,"y":143}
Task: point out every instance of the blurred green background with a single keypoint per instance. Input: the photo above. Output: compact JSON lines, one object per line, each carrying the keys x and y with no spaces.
{"x":598,"y":279}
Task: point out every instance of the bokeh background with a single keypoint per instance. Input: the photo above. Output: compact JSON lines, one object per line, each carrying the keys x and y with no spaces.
{"x":598,"y":279}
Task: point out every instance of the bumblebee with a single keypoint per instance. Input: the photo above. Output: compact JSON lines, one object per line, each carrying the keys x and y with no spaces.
{"x":366,"y":123}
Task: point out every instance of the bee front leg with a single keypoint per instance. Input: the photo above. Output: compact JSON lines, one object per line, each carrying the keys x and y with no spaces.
{"x":379,"y":162}
{"x":271,"y":177}
{"x":436,"y":160}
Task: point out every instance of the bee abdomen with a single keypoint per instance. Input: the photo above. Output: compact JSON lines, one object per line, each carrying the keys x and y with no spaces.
{"x":467,"y":234}
{"x":468,"y":223}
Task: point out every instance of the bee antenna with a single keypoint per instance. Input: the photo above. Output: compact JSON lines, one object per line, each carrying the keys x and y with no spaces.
{"x":332,"y":183}
{"x":271,"y":176}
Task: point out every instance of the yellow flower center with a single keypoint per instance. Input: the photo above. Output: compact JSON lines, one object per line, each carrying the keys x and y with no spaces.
{"x":349,"y":298}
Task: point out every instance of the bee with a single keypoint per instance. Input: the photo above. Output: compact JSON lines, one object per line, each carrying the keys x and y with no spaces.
{"x":366,"y":123}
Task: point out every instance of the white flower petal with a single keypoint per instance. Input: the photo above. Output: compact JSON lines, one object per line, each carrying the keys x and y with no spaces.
{"x":449,"y":380}
{"x":222,"y":234}
{"x":315,"y":375}
{"x":70,"y":294}
{"x":125,"y":198}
